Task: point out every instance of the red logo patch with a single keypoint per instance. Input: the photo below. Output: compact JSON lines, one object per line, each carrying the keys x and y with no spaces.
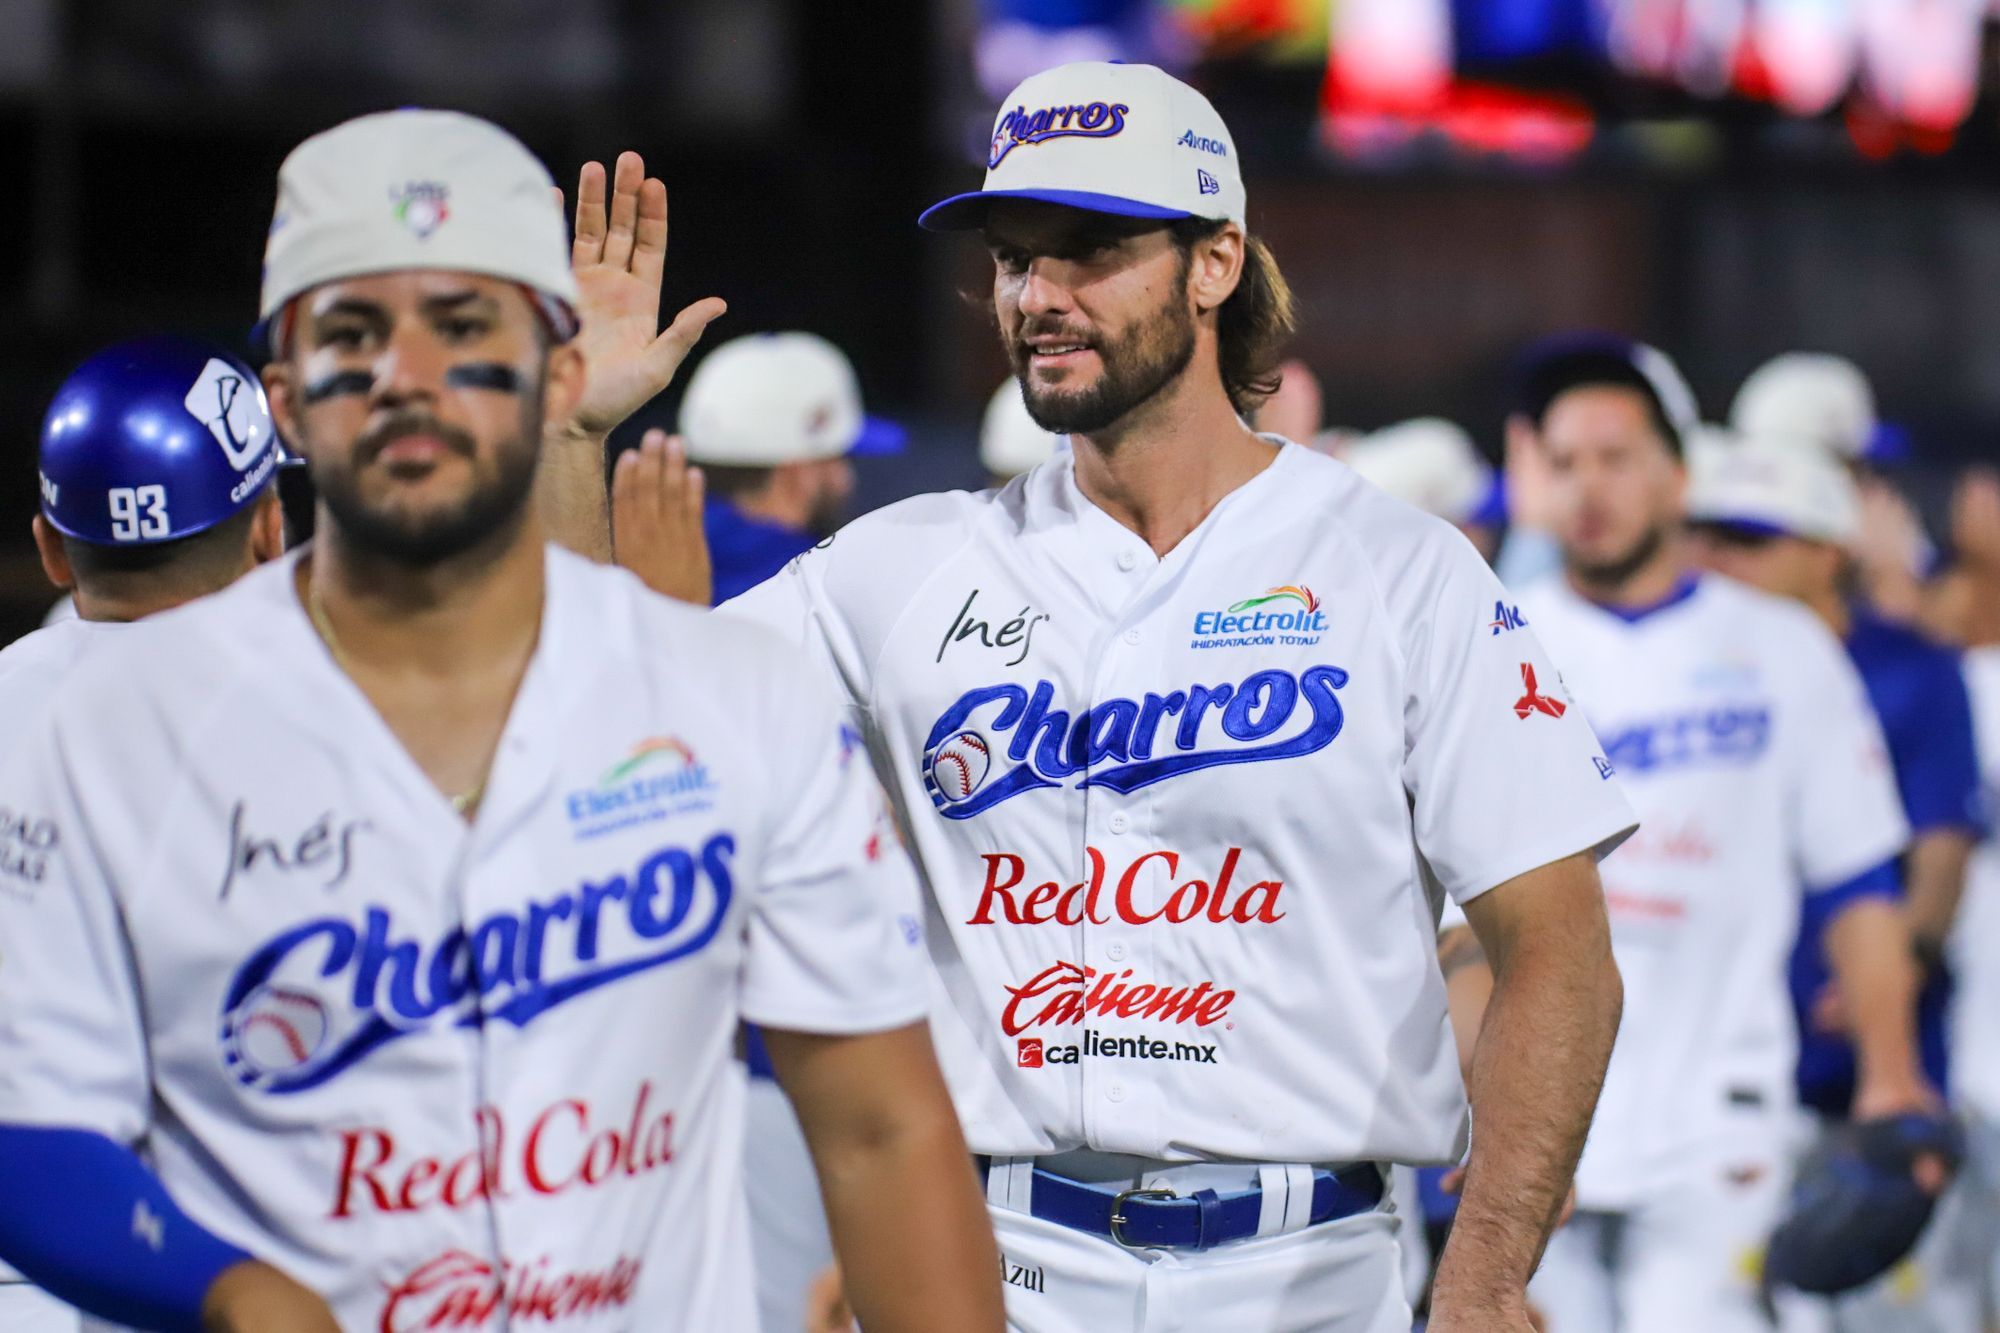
{"x":1029,"y":1053}
{"x":1534,"y":701}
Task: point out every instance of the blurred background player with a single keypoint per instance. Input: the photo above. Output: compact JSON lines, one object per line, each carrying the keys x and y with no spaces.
{"x":1433,"y":464}
{"x":1780,"y":513}
{"x":1827,"y":401}
{"x":1010,"y":443}
{"x":772,"y":420}
{"x":156,"y":460}
{"x":1759,"y":774}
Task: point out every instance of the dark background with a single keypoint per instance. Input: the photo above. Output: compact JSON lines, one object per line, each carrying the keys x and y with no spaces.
{"x":799,"y":139}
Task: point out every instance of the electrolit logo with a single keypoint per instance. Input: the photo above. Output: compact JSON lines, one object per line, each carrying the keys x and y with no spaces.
{"x":659,"y":778}
{"x":1277,"y":617}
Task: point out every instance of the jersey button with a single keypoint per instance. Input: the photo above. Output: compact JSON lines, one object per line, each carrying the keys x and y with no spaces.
{"x":1132,"y":636}
{"x":1127,"y":561}
{"x":1116,"y":1092}
{"x":1115,"y":951}
{"x":1118,"y":823}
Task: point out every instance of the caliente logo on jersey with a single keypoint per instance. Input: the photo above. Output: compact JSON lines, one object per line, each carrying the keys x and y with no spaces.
{"x":1288,"y":615}
{"x":322,"y":996}
{"x":659,"y":777}
{"x":997,"y":741}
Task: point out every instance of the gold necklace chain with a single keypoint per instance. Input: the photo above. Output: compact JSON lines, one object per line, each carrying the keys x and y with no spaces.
{"x":464,"y":802}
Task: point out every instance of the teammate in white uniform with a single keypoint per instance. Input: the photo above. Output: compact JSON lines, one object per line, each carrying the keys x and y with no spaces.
{"x":1192,"y":731}
{"x":1975,"y":957}
{"x":401,"y":903}
{"x":1760,"y":774}
{"x":186,"y":426}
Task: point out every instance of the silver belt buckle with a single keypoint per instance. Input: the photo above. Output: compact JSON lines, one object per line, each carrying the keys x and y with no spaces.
{"x":1118,"y":1218}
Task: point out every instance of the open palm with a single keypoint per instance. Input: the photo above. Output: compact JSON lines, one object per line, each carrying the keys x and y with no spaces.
{"x":619,"y":257}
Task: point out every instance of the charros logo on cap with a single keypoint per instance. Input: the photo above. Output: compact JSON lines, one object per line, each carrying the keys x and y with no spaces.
{"x":1089,"y":120}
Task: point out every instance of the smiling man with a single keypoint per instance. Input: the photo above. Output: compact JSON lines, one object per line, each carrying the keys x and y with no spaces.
{"x":1187,"y":842}
{"x":398,"y":907}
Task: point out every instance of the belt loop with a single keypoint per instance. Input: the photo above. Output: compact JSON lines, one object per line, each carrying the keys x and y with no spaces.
{"x":1270,"y":1200}
{"x":1298,"y":1197}
{"x":1287,"y":1195}
{"x":1010,"y":1183}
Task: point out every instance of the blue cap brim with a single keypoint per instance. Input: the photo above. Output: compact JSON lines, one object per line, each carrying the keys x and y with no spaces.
{"x":879,"y":436}
{"x":967,"y":212}
{"x":1752,"y":527}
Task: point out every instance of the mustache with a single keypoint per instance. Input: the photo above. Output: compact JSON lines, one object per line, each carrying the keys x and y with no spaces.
{"x":372,"y":442}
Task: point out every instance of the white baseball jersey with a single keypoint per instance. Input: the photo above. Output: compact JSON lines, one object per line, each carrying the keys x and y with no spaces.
{"x":1186,"y":821}
{"x":1759,"y":771}
{"x":31,"y":668}
{"x":1975,"y":939}
{"x":444,"y":1073}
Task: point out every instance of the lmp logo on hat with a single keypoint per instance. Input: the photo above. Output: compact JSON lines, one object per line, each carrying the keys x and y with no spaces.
{"x":1126,"y":139}
{"x":772,"y":398}
{"x":417,"y":189}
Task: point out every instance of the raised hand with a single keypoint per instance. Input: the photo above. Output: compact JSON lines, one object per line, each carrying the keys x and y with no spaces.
{"x":656,"y":527}
{"x":619,"y":257}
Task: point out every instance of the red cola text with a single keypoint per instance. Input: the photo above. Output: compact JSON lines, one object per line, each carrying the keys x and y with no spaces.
{"x":568,"y":1146}
{"x":1086,"y":900}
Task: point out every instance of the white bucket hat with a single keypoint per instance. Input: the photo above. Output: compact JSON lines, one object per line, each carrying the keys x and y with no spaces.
{"x":416,"y":189}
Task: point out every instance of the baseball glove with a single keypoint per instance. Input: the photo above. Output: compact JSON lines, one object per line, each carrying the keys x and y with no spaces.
{"x":1856,"y":1208}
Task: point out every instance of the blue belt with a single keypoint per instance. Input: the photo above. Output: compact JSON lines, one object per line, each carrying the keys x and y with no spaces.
{"x":1146,"y":1219}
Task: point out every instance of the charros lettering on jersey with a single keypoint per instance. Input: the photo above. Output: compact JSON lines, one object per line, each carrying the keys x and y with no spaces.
{"x":461,"y":1290}
{"x":1725,"y":736}
{"x":1021,"y":127}
{"x":323,"y":995}
{"x":1099,"y":898}
{"x":659,"y":778}
{"x":996,"y":741}
{"x":570,"y":1145}
{"x":1285,"y":616}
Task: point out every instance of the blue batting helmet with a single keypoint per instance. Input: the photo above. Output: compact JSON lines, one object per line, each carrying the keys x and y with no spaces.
{"x":155,"y":439}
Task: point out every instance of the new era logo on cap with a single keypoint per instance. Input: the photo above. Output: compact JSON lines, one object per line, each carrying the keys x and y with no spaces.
{"x":1110,"y":138}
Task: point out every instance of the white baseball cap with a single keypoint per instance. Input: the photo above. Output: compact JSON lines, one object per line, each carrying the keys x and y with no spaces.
{"x":1428,"y":462}
{"x":771,"y":398}
{"x":1776,"y":485}
{"x":1111,"y":138}
{"x":1010,"y":442}
{"x":1808,"y":397}
{"x":416,"y":189}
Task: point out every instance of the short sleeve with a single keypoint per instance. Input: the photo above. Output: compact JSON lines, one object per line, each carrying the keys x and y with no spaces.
{"x":1936,"y":764}
{"x":72,"y":1043}
{"x":1503,"y":772}
{"x":793,"y":604}
{"x":1846,"y":814}
{"x":835,"y":936}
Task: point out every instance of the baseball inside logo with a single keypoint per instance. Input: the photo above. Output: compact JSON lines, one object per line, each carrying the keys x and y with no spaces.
{"x":961,"y":764}
{"x":279,"y":1029}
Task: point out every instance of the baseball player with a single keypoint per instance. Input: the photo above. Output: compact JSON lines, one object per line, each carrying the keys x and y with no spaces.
{"x":1759,"y":771}
{"x":1778,"y":514}
{"x":772,"y":420}
{"x":1191,"y":732}
{"x":1975,"y":959}
{"x":375,"y":933}
{"x":155,"y":459}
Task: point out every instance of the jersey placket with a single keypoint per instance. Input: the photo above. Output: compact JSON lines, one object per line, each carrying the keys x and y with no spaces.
{"x":1120,"y":826}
